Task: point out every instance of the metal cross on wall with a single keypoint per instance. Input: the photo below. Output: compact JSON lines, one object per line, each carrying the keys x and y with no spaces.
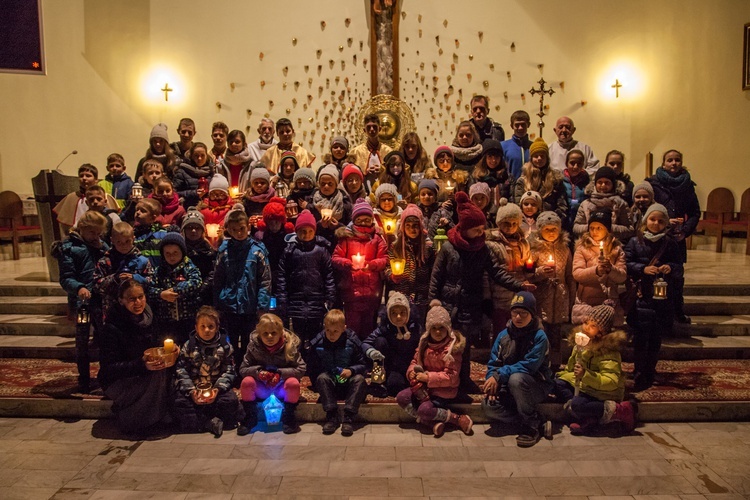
{"x":166,"y":91}
{"x":541,"y":91}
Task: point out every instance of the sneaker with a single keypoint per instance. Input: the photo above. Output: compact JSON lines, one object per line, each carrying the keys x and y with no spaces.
{"x":216,"y":427}
{"x":465,"y":424}
{"x":331,"y":423}
{"x":529,"y":437}
{"x":347,"y":427}
{"x":438,"y":429}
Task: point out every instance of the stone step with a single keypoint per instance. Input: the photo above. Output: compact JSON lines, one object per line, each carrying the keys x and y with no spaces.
{"x":717,"y":305}
{"x":716,"y":289}
{"x":715,"y":326}
{"x":44,"y":347}
{"x":31,"y":289}
{"x":35,"y":325}
{"x":91,"y":408}
{"x":55,"y":304}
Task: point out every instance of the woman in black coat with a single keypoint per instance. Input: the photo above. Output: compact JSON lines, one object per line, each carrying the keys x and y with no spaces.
{"x":140,"y":396}
{"x":674,"y":189}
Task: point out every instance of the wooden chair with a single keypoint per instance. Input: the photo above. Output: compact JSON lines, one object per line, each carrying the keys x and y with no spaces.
{"x":719,"y":208}
{"x":11,"y":221}
{"x":740,"y":222}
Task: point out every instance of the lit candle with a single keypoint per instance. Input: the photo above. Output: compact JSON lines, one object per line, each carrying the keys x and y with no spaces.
{"x":449,"y":188}
{"x":551,"y":261}
{"x":207,"y":394}
{"x":601,"y":250}
{"x":397,"y":266}
{"x":389,"y":226}
{"x":529,"y":264}
{"x":168,"y":345}
{"x":212,"y":230}
{"x":234,"y":191}
{"x":358,"y":261}
{"x":326,"y":213}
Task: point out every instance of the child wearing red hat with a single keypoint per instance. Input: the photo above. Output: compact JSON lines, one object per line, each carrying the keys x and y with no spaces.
{"x":272,"y":230}
{"x":361,"y":257}
{"x":457,"y":276}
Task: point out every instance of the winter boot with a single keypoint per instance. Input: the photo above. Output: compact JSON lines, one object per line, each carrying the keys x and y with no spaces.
{"x":215,"y":426}
{"x":585,"y":426}
{"x":624,"y":413}
{"x":463,"y":422}
{"x":347,"y":427}
{"x":289,"y":423}
{"x":529,"y":436}
{"x":251,"y":418}
{"x":438,"y":429}
{"x":332,"y":422}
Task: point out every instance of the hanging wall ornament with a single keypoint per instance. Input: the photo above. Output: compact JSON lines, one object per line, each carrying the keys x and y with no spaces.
{"x":481,"y":36}
{"x":349,"y":41}
{"x":320,"y":69}
{"x":434,"y":66}
{"x":497,"y":107}
{"x":471,"y":57}
{"x":318,"y":53}
{"x":437,"y":40}
{"x":486,"y":84}
{"x":458,"y":44}
{"x":492,"y":67}
{"x":347,"y":22}
{"x":260,"y":56}
{"x":249,"y":112}
{"x":296,"y":85}
{"x":341,"y":48}
{"x":285,"y":70}
{"x":309,"y":81}
{"x":288,"y":111}
{"x":445,"y":23}
{"x":343,"y":65}
{"x":361,"y":44}
{"x":307,"y":68}
{"x":455,"y":57}
{"x":330,"y":63}
{"x":270,"y":104}
{"x":420,"y":33}
{"x":468,"y":76}
{"x":419,"y":18}
{"x":513,"y":46}
{"x":508,"y":73}
{"x":283,"y":86}
{"x":294,"y":42}
{"x":294,"y":101}
{"x":322,"y":25}
{"x":505,"y":96}
{"x":440,"y":52}
{"x":262,"y":84}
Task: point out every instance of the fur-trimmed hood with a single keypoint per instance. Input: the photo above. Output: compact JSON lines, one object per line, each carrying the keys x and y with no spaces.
{"x":614,"y":341}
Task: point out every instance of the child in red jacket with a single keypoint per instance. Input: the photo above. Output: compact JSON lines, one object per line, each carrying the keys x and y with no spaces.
{"x":360,"y":257}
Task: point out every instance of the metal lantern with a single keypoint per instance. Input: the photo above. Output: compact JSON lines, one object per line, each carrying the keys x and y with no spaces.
{"x":137,"y":190}
{"x":378,"y":373}
{"x":272,"y":408}
{"x":660,"y":289}
{"x":83,"y":316}
{"x":439,"y":239}
{"x":282,"y":190}
{"x":292,"y":209}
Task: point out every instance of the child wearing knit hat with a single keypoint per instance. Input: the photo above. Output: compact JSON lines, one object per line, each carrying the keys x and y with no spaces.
{"x":550,"y":249}
{"x":175,"y":289}
{"x":305,"y":287}
{"x":531,"y":206}
{"x":199,"y":250}
{"x":458,"y":274}
{"x":393,"y":344}
{"x":433,"y":375}
{"x":387,"y":212}
{"x":596,"y":369}
{"x":427,"y":197}
{"x":214,"y":210}
{"x":352,"y":182}
{"x":330,"y":196}
{"x":450,"y":179}
{"x":479,"y":194}
{"x":651,"y":254}
{"x":272,"y":231}
{"x":283,"y":181}
{"x":159,"y":150}
{"x":537,"y":175}
{"x":492,"y":170}
{"x":604,"y":192}
{"x":416,"y":249}
{"x":510,"y":249}
{"x":598,"y":267}
{"x":339,"y":152}
{"x":258,"y":194}
{"x":361,"y":257}
{"x":643,"y":197}
{"x":518,"y":376}
{"x":302,"y":188}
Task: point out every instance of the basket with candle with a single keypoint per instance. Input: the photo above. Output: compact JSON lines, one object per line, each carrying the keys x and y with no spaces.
{"x":159,"y":358}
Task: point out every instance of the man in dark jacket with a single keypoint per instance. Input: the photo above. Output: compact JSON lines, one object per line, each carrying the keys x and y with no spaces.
{"x":486,"y":126}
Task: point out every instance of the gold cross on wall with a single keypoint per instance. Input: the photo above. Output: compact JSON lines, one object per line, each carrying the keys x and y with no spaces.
{"x":617,"y":86}
{"x":166,"y":91}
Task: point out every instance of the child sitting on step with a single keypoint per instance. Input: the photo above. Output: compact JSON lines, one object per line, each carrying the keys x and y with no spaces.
{"x":433,"y":375}
{"x":597,"y":371}
{"x":273,"y":364}
{"x":205,"y":401}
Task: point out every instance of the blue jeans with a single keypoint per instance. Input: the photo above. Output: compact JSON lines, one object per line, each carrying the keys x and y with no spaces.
{"x":517,"y":401}
{"x":583,"y":406}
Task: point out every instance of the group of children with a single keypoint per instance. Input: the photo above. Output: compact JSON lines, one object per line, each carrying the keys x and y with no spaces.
{"x":313,"y":272}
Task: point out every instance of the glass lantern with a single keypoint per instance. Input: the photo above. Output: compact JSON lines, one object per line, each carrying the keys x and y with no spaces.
{"x":136,"y":191}
{"x":439,"y":239}
{"x":282,"y":190}
{"x":378,"y":373}
{"x":660,"y":289}
{"x":272,"y":408}
{"x":83,"y":315}
{"x":292,"y":209}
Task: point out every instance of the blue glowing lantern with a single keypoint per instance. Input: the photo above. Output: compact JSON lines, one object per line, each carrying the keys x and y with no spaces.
{"x":272,"y":407}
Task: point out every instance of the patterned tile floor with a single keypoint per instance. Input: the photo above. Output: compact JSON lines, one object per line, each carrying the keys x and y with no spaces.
{"x":88,"y":459}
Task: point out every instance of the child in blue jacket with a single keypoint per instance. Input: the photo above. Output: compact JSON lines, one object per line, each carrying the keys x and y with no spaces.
{"x":242,"y":280}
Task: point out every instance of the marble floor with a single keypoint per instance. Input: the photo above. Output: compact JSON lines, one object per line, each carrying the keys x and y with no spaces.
{"x":86,"y":459}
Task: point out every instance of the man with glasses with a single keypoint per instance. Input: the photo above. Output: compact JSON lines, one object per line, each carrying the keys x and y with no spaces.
{"x":486,"y":126}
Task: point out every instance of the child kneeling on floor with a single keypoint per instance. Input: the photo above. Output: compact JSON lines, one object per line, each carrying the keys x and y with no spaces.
{"x":433,"y":375}
{"x":205,"y":401}
{"x":597,"y":370}
{"x":337,"y":370}
{"x":272,"y":365}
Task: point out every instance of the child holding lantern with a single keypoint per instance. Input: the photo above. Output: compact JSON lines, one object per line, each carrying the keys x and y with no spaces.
{"x":650,"y":255}
{"x":360,"y":257}
{"x":272,"y":365}
{"x":598,"y":268}
{"x":387,"y":212}
{"x":411,"y":257}
{"x":592,"y":383}
{"x":215,"y":208}
{"x":555,"y":287}
{"x":204,"y":400}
